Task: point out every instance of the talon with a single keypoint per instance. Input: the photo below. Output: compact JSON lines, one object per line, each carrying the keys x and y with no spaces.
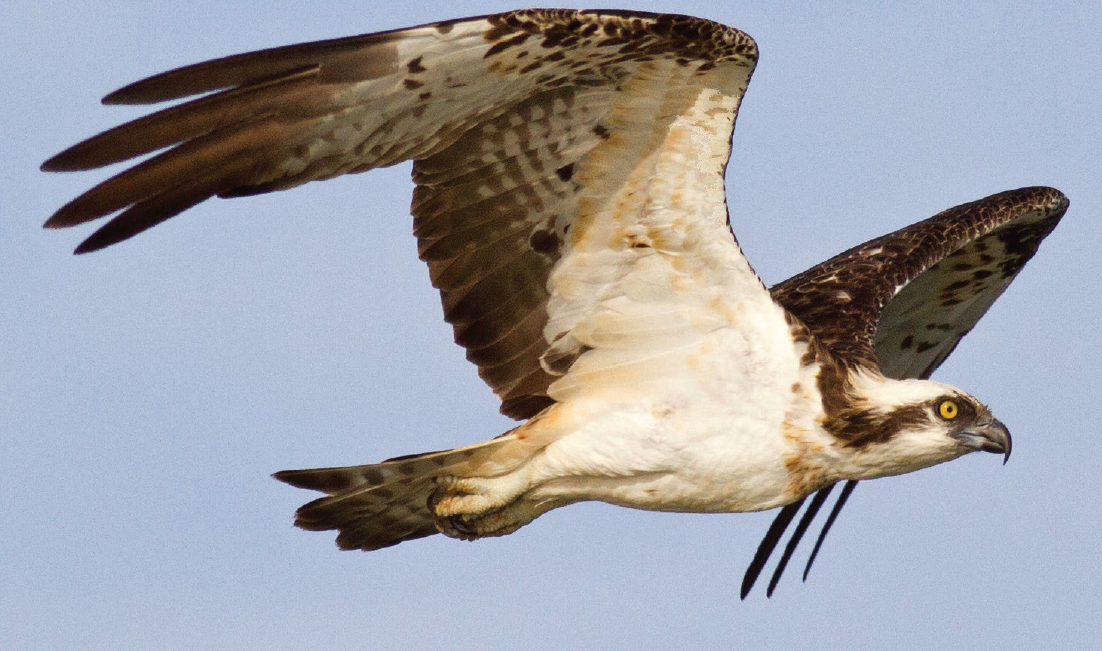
{"x":494,"y":523}
{"x":456,"y":527}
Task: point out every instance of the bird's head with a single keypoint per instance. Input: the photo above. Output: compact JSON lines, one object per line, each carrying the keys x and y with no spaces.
{"x":890,"y":427}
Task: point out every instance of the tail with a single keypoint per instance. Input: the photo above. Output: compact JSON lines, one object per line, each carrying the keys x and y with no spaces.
{"x":384,"y":504}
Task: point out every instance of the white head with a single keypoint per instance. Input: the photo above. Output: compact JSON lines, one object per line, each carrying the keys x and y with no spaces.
{"x":891,"y":427}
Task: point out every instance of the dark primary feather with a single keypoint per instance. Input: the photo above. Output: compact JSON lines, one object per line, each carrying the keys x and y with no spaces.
{"x":768,"y":543}
{"x":496,"y":112}
{"x":801,"y":528}
{"x":352,"y":58}
{"x":846,"y":490}
{"x":913,"y":294}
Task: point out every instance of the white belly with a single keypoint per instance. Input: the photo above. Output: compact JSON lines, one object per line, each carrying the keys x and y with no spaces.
{"x":687,"y":460}
{"x":704,"y":434}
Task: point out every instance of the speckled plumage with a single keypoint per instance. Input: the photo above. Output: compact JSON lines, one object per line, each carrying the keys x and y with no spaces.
{"x":569,"y":203}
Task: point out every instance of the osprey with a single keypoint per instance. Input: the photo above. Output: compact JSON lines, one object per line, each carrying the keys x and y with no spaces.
{"x":569,"y":201}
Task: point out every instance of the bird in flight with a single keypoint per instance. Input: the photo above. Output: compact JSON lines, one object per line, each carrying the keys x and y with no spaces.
{"x":569,"y":202}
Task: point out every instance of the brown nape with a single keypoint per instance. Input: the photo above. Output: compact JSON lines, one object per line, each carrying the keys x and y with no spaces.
{"x":847,"y":418}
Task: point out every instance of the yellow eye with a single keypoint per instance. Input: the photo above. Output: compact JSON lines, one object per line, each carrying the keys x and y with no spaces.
{"x":948,"y":409}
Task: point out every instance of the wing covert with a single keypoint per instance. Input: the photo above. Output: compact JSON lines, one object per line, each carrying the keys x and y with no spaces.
{"x":535,"y":135}
{"x":915,"y":292}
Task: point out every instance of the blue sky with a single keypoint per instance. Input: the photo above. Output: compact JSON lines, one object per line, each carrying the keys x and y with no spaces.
{"x":147,"y":391}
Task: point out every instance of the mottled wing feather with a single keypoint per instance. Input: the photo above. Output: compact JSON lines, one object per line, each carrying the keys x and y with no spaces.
{"x":911,"y":295}
{"x":914,"y":294}
{"x":533,"y":133}
{"x":493,"y":211}
{"x":491,"y":214}
{"x":926,"y":319}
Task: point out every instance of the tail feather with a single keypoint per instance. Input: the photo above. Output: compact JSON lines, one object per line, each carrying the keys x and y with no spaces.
{"x":380,"y":505}
{"x":375,"y":517}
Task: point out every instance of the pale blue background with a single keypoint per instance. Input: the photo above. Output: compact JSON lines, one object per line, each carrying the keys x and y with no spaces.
{"x":147,"y":391}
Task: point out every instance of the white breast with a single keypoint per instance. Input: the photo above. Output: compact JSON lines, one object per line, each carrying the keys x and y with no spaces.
{"x":695,"y":427}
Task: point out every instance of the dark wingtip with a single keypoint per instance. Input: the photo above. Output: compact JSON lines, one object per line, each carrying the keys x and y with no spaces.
{"x":122,"y":97}
{"x":768,"y":544}
{"x":797,"y":536}
{"x":108,"y":234}
{"x":53,"y":222}
{"x":69,"y":160}
{"x":52,"y":164}
{"x":296,"y":478}
{"x":846,"y":490}
{"x":151,"y":90}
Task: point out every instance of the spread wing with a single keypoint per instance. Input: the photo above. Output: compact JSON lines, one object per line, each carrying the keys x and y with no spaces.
{"x":913,"y":294}
{"x":563,"y":161}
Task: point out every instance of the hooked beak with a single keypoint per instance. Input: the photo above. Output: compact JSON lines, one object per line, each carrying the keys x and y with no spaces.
{"x":992,"y":437}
